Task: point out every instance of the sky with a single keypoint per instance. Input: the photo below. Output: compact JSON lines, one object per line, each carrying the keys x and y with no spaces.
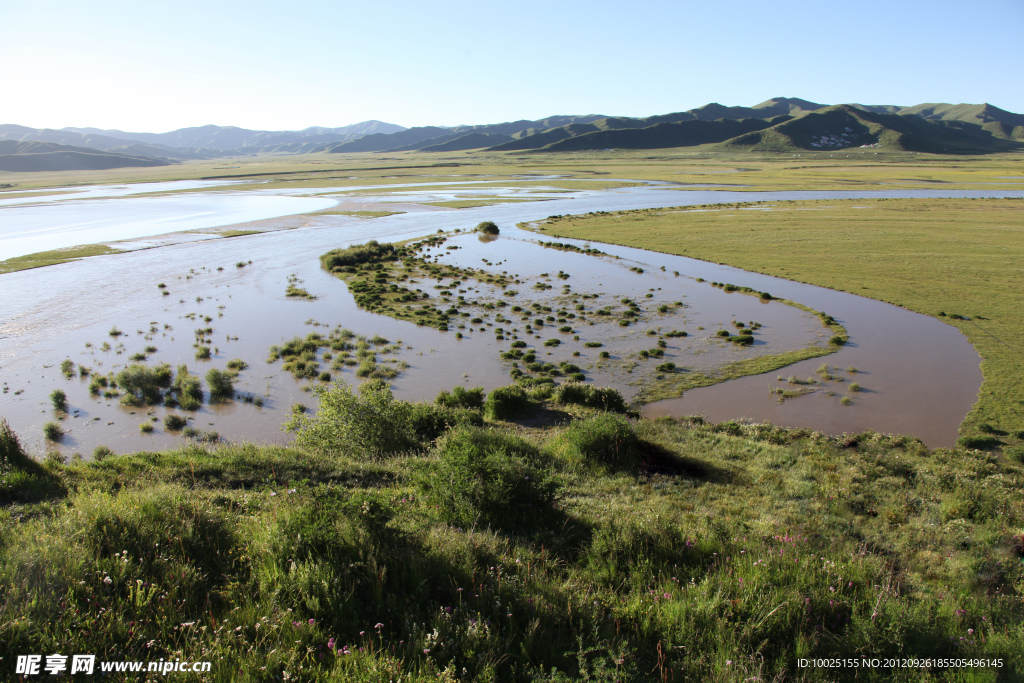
{"x":155,"y":67}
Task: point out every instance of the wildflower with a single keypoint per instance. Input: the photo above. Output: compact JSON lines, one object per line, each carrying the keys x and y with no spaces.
{"x":728,"y":662}
{"x":107,"y":580}
{"x":312,"y":621}
{"x":426,"y":651}
{"x":378,"y":626}
{"x":330,"y":644}
{"x":970,"y":631}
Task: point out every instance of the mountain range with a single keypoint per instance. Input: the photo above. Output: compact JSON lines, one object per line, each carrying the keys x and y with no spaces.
{"x":780,"y":124}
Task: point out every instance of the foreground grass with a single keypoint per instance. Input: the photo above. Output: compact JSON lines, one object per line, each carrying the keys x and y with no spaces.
{"x":933,"y":256}
{"x":604,"y":549}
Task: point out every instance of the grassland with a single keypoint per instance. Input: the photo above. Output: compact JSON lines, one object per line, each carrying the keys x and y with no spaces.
{"x":603,"y":549}
{"x":943,"y":258}
{"x":840,"y":170}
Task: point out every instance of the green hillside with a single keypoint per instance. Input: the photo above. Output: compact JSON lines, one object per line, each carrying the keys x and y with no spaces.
{"x":546,"y":137}
{"x":845,"y":126}
{"x":471,"y":141}
{"x":30,"y":156}
{"x":683,"y":134}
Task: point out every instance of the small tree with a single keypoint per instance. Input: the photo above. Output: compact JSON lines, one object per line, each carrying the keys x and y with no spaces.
{"x":488,"y":228}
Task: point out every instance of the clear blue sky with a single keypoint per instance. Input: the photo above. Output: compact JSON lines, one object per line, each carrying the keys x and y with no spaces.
{"x":157,"y":66}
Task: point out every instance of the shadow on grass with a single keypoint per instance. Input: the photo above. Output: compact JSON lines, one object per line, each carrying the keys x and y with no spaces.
{"x":656,"y":459}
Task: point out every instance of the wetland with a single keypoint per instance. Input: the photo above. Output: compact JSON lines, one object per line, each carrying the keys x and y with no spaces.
{"x":606,"y":315}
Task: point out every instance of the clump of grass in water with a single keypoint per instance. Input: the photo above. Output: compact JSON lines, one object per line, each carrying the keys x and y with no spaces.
{"x":53,"y":431}
{"x":174,"y":422}
{"x":59,"y":399}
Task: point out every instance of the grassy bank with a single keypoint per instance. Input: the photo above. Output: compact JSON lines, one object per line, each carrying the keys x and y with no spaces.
{"x":50,"y":258}
{"x":940,"y":257}
{"x":401,"y":541}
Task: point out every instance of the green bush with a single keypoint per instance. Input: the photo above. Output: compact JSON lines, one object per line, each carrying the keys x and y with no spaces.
{"x":370,"y":424}
{"x":174,"y":422}
{"x":101,"y":452}
{"x":601,"y":398}
{"x":605,"y":439}
{"x":221,"y":383}
{"x":144,"y":383}
{"x":505,"y":403}
{"x":488,"y":228}
{"x":187,"y":389}
{"x":59,"y":399}
{"x":487,"y":478}
{"x":53,"y":431}
{"x":370,"y":252}
{"x":430,"y":421}
{"x":460,"y":397}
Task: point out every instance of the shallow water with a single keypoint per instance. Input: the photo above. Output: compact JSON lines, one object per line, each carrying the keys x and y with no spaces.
{"x":920,"y":376}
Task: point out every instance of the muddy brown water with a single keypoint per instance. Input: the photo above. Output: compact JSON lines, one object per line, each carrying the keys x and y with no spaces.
{"x":920,"y":376}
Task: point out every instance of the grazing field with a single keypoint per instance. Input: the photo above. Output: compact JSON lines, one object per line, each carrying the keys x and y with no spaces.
{"x":958,"y":260}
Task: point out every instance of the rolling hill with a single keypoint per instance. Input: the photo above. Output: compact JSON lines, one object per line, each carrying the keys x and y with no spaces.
{"x":27,"y":157}
{"x":843,"y":126}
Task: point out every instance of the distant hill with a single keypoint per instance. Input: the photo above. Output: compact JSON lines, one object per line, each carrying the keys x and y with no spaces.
{"x":845,"y":126}
{"x":470,"y":141}
{"x":431,"y":136}
{"x":234,"y":138}
{"x":682,"y":134}
{"x":777,"y":124}
{"x":29,"y":157}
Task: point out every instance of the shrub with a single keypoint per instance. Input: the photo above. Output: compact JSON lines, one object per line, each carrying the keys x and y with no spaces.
{"x":144,"y":383}
{"x":838,"y":340}
{"x":67,"y":368}
{"x":605,"y":439}
{"x":552,"y":342}
{"x":486,"y":477}
{"x":53,"y":431}
{"x":202,"y":352}
{"x":101,"y":452}
{"x":505,"y":403}
{"x":488,"y":228}
{"x":237,"y":364}
{"x":461,"y":397}
{"x":601,"y":398}
{"x":146,"y":427}
{"x":430,"y":421}
{"x":59,"y":399}
{"x":370,"y":252}
{"x":188,"y":389}
{"x":221,"y":383}
{"x":174,"y":422}
{"x":370,"y":424}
